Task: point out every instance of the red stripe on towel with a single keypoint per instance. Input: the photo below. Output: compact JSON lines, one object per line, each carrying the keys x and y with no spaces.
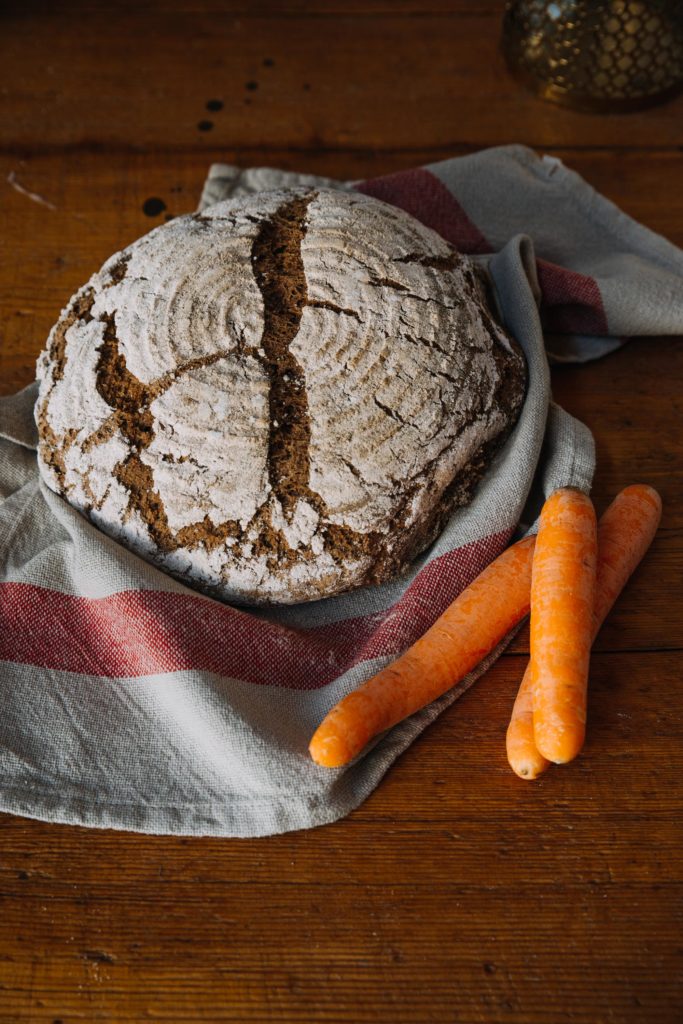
{"x":572,"y":303}
{"x":146,"y":632}
{"x":421,"y":194}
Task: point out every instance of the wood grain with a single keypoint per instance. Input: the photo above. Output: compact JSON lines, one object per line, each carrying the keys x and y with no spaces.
{"x":456,"y":892}
{"x":335,"y":79}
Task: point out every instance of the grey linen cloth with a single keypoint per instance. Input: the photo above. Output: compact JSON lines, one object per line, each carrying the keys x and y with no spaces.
{"x":130,"y":701}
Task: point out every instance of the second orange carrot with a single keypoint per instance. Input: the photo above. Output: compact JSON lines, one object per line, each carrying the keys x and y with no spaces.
{"x":562,"y":599}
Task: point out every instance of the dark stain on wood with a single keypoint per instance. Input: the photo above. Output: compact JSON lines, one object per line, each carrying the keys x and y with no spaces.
{"x":153,"y":206}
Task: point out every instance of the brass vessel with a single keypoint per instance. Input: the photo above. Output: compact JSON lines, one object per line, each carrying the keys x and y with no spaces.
{"x":596,"y":55}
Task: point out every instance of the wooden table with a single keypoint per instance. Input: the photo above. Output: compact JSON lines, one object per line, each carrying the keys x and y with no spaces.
{"x":457,"y":893}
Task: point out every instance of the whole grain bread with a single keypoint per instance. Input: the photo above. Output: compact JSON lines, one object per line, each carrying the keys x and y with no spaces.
{"x":279,"y":399}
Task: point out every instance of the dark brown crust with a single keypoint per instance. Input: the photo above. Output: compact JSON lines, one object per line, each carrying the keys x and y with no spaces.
{"x":279,"y":272}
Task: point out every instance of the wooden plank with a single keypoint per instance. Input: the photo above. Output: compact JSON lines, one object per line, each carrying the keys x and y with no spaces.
{"x":457,"y":892}
{"x":612,"y":396}
{"x":401,"y":958}
{"x":74,"y":862}
{"x":87,"y":76}
{"x":628,"y":766}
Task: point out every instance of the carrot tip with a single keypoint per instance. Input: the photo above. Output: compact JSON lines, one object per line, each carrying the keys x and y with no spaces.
{"x":558,"y":756}
{"x":329,"y":751}
{"x":529,"y":772}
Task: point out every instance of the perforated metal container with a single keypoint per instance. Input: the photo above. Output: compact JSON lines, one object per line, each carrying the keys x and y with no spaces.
{"x":598,"y":55}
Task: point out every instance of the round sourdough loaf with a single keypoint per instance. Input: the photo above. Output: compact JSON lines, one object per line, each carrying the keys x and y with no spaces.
{"x":278,"y":399}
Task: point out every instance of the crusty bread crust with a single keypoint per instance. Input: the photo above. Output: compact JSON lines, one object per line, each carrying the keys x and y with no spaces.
{"x":279,"y":399}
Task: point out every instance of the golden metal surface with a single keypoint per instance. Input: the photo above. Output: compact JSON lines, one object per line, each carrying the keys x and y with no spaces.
{"x":596,"y":55}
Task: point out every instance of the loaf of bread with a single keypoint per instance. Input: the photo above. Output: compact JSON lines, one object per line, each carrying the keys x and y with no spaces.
{"x":278,"y":399}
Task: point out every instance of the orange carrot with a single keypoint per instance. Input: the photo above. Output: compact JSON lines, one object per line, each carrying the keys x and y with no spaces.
{"x":523,"y":757}
{"x":467,"y":631}
{"x":562,"y":600}
{"x":625,"y":532}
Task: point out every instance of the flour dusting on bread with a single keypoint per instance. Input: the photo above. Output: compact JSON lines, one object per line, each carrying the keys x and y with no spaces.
{"x":278,"y":399}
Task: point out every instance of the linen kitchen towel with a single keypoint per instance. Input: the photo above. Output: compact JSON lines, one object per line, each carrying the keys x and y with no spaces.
{"x":130,"y":701}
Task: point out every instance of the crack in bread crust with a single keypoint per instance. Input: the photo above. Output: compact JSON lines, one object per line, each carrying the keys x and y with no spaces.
{"x":131,"y":400}
{"x":279,"y":272}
